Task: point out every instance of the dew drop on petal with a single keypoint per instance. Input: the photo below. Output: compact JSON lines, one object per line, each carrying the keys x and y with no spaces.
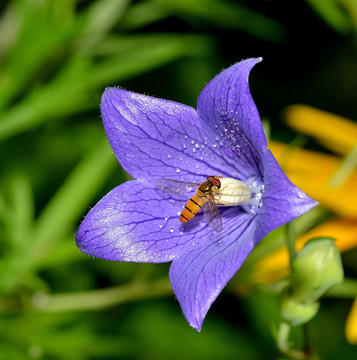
{"x":172,"y":230}
{"x":178,"y":170}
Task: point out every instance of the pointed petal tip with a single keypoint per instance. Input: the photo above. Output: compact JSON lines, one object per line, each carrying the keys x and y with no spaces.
{"x":314,"y":202}
{"x":196,"y":320}
{"x":307,"y":202}
{"x":257,"y":59}
{"x":245,"y":65}
{"x":115,"y":93}
{"x":253,"y":61}
{"x":195,"y":326}
{"x":303,"y":203}
{"x":83,"y":241}
{"x":108,"y":93}
{"x":106,"y":98}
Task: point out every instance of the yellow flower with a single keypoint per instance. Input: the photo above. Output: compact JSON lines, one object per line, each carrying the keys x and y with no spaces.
{"x":351,"y":324}
{"x":313,"y":171}
{"x":316,"y":173}
{"x":334,"y":132}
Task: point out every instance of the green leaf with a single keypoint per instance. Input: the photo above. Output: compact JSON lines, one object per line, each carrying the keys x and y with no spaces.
{"x":58,"y":217}
{"x":155,"y":54}
{"x":143,"y":13}
{"x":225,"y":14}
{"x":333,"y":14}
{"x":100,"y":17}
{"x":72,"y":90}
{"x":38,"y":23}
{"x":103,"y":14}
{"x":21,"y":210}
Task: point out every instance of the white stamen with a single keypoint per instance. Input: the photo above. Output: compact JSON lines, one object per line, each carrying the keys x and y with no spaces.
{"x":235,"y":192}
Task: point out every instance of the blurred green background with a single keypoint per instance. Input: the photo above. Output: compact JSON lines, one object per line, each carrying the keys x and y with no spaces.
{"x":56,"y":58}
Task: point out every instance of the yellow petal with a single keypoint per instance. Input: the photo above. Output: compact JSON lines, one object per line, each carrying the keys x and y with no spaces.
{"x":276,"y":264}
{"x":343,"y":230}
{"x":351,"y":324}
{"x":333,"y":131}
{"x":312,"y":172}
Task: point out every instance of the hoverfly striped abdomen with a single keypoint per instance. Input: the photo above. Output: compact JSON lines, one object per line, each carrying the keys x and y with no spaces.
{"x":191,"y":208}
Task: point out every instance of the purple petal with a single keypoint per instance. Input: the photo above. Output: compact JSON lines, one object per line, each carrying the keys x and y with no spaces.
{"x":199,"y":275}
{"x":227,"y":106}
{"x":282,"y":200}
{"x":154,"y":138}
{"x":136,"y":222}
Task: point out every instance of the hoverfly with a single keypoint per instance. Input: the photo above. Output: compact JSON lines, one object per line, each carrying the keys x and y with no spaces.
{"x":204,"y":197}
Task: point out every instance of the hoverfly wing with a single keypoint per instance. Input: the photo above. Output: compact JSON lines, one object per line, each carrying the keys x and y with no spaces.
{"x":212,"y":215}
{"x":174,"y":186}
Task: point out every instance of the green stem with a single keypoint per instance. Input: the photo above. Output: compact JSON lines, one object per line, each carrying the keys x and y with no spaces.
{"x":282,"y":342}
{"x":347,"y":290}
{"x":100,"y":299}
{"x":290,"y":241}
{"x":346,"y":169}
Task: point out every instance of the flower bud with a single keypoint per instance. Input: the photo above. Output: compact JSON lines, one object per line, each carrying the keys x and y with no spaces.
{"x":316,"y":269}
{"x":296,"y":312}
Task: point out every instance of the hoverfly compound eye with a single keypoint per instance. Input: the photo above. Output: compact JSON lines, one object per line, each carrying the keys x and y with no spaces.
{"x":215,"y":181}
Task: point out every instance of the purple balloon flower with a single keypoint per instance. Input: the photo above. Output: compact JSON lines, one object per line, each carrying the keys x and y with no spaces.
{"x":159,"y":139}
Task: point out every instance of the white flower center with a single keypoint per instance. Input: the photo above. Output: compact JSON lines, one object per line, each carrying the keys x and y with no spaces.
{"x":233,"y":192}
